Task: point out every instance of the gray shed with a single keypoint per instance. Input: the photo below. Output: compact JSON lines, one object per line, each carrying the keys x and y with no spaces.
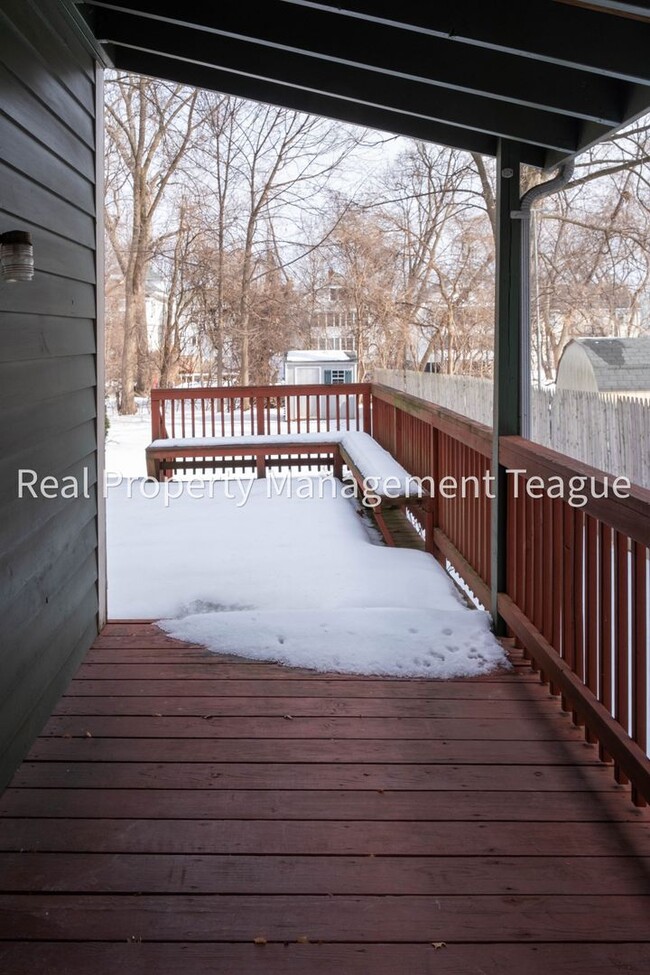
{"x":606,"y":365}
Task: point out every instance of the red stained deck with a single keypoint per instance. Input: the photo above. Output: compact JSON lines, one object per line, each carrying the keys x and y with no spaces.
{"x":180,"y":806}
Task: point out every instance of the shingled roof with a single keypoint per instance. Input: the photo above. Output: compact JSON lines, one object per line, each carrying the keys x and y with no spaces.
{"x":618,"y":364}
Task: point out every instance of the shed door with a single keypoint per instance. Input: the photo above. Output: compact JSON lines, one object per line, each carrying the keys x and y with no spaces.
{"x":307,"y":375}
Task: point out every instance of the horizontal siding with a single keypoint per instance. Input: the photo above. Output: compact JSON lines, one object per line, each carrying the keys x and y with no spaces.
{"x":30,"y":663}
{"x":33,"y":336}
{"x":40,"y":379}
{"x":49,"y":417}
{"x":68,"y":648}
{"x":29,"y":523}
{"x":44,"y":27}
{"x":29,"y":114}
{"x":48,"y":548}
{"x":42,"y":166}
{"x":22,"y":59}
{"x":42,"y":531}
{"x":21,"y":198}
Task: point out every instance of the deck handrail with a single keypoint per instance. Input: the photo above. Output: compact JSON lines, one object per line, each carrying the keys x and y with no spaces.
{"x":577,"y":591}
{"x":217,"y":411}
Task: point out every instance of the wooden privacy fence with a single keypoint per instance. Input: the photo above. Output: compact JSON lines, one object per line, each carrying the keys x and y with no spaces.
{"x":577,"y":593}
{"x":602,"y":430}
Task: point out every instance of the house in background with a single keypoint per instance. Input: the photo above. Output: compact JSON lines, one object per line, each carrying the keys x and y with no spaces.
{"x":334,"y":319}
{"x":618,"y":367}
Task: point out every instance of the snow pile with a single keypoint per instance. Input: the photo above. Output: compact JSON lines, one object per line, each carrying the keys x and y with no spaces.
{"x":390,"y":642}
{"x":286,"y":571}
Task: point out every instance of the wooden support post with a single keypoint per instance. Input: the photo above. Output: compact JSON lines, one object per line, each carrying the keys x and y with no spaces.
{"x":507,"y":351}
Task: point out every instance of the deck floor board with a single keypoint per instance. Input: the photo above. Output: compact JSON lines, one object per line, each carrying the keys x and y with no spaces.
{"x":178,"y":807}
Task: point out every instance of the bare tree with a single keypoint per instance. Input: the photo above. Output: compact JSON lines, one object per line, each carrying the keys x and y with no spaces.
{"x":265,"y":163}
{"x":149,"y":125}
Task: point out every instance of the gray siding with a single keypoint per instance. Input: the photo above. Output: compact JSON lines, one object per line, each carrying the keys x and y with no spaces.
{"x":48,"y":548}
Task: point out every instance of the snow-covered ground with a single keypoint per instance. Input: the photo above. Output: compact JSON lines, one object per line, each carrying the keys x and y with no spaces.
{"x":284,"y":570}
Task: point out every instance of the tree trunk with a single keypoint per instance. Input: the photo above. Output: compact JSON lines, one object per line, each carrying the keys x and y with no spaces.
{"x":126,"y":403}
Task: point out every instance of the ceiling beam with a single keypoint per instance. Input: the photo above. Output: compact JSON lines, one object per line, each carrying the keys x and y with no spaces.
{"x":541,"y":29}
{"x":241,"y":86}
{"x":408,"y":55}
{"x":496,"y":118}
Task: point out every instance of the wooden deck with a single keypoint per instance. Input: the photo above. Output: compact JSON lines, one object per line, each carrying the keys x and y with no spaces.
{"x":184,"y":812}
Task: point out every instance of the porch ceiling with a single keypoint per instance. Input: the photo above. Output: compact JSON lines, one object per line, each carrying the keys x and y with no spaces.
{"x":554,"y":75}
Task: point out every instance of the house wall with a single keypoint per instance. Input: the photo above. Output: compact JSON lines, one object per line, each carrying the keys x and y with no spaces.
{"x":48,"y":548}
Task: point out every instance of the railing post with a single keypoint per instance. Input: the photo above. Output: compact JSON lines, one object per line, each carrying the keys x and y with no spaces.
{"x":507,"y":348}
{"x":367,"y":410}
{"x":259,"y":410}
{"x":155,"y":416}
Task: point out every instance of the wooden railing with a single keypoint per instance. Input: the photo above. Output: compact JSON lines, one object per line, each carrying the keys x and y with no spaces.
{"x":431,"y":442}
{"x":577,"y":594}
{"x":577,"y":598}
{"x":258,"y":410}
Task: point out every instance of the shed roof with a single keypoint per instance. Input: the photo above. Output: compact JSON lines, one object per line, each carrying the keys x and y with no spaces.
{"x":320,"y":355}
{"x":555,"y":76}
{"x":618,"y":364}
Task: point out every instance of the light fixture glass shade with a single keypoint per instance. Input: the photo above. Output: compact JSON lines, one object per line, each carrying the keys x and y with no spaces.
{"x":16,"y":256}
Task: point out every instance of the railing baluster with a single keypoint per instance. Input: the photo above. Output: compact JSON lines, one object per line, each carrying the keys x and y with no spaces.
{"x":591,"y":610}
{"x":639,"y":662}
{"x":606,"y":622}
{"x":622,"y":640}
{"x":568,"y":597}
{"x":558,"y":574}
{"x":579,"y":592}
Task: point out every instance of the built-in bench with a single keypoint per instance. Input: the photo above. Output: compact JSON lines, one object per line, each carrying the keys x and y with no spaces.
{"x":168,"y":455}
{"x":382,"y":482}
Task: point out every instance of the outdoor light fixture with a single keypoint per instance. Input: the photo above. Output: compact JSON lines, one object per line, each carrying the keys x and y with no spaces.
{"x":16,"y":256}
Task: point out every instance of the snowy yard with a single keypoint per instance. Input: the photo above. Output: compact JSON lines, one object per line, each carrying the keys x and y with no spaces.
{"x":280,"y":570}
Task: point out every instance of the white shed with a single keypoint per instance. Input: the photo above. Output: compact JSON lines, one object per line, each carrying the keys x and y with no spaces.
{"x":311,"y":367}
{"x":619,"y":367}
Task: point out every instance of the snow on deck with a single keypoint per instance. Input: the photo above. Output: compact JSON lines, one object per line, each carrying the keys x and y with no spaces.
{"x":282,"y":569}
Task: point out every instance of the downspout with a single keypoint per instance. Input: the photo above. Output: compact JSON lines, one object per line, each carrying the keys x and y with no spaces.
{"x":536,"y":193}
